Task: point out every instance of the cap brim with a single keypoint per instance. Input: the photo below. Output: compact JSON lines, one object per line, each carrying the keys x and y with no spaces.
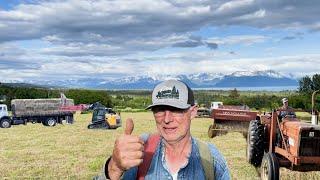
{"x":176,"y":105}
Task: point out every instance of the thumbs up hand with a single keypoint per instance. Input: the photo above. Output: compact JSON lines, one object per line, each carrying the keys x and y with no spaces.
{"x":127,"y":152}
{"x":129,"y":127}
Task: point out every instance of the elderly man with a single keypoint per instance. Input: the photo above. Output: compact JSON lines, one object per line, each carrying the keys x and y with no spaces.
{"x":171,"y":153}
{"x":286,"y":109}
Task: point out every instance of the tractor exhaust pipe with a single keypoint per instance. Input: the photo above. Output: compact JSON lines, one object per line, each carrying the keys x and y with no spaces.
{"x":315,"y":113}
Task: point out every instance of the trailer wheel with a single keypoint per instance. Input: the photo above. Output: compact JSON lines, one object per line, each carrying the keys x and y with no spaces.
{"x":51,"y":122}
{"x":210,"y":131}
{"x":5,"y":123}
{"x":255,"y":143}
{"x":270,"y":167}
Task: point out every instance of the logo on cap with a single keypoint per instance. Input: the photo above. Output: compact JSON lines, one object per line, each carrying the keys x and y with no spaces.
{"x":167,"y":94}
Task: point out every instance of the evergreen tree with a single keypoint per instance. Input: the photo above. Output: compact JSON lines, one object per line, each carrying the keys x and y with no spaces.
{"x":234,"y":93}
{"x":305,"y":85}
{"x":316,"y":82}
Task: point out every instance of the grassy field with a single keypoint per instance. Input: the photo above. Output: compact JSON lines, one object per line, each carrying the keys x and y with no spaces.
{"x":74,"y":152}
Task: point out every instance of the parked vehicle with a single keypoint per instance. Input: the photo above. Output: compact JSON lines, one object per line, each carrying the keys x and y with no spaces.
{"x":275,"y":141}
{"x":49,"y":112}
{"x":103,"y":117}
{"x":203,"y":112}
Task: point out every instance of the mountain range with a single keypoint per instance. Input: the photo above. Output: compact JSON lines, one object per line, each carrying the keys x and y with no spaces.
{"x":267,"y":78}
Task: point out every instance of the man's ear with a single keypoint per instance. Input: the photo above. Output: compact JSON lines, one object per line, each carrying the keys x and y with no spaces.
{"x":194,"y":110}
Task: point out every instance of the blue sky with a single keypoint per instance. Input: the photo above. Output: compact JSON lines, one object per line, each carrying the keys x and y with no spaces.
{"x":74,"y":39}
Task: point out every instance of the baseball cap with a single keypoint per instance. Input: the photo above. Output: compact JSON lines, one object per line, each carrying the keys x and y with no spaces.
{"x":284,"y":100}
{"x":172,"y":93}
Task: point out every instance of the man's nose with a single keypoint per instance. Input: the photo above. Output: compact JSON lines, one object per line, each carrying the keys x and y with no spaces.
{"x":167,"y":117}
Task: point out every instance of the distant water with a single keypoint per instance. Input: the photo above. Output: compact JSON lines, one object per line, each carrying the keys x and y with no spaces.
{"x":267,"y":88}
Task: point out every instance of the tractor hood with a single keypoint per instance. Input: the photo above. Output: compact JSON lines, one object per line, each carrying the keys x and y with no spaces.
{"x":301,"y":137}
{"x":298,"y":126}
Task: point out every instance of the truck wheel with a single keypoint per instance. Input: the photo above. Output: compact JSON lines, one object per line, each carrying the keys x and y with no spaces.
{"x":270,"y":167}
{"x":255,"y":143}
{"x":210,"y":131}
{"x":5,"y":123}
{"x":51,"y":122}
{"x":69,"y":119}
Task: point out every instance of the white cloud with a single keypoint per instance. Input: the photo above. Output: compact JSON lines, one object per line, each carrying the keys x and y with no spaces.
{"x":241,"y":39}
{"x":253,"y":16}
{"x":300,"y":65}
{"x":234,"y":5}
{"x":125,"y":37}
{"x":117,"y":21}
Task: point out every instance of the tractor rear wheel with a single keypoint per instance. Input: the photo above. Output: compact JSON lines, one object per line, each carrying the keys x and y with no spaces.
{"x":270,"y":167}
{"x":255,"y":143}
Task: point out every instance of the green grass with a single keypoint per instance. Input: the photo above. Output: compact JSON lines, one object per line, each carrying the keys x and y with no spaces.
{"x":72,"y":151}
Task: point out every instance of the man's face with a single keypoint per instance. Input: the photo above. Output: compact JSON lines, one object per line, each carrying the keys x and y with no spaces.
{"x":173,"y":124}
{"x":285,"y":103}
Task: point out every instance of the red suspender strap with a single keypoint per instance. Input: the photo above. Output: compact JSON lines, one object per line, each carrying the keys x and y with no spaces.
{"x":149,"y":149}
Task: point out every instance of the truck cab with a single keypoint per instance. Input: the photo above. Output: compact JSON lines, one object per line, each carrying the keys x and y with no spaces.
{"x":3,"y":110}
{"x":216,"y":105}
{"x":5,"y":121}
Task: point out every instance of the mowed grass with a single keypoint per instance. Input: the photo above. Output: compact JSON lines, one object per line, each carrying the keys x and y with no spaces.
{"x":72,"y":151}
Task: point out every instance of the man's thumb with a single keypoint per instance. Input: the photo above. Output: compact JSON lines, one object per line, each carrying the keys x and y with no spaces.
{"x":129,"y":126}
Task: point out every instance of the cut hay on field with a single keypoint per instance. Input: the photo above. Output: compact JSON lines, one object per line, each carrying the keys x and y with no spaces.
{"x":38,"y":107}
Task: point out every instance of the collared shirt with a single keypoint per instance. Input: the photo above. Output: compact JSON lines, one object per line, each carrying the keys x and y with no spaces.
{"x":192,"y":170}
{"x":286,"y":111}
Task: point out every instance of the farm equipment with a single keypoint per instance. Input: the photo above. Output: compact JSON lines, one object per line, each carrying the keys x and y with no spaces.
{"x":49,"y":112}
{"x":229,"y":118}
{"x":273,"y":142}
{"x":103,"y":117}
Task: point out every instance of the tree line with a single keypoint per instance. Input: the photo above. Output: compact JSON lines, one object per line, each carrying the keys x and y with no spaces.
{"x":80,"y":96}
{"x":300,"y":99}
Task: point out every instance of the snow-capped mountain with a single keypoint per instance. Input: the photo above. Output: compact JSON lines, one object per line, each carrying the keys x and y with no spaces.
{"x":267,"y":73}
{"x":200,"y":80}
{"x":256,"y":79}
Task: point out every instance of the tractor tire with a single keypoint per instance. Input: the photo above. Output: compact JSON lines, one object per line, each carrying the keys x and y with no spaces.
{"x":269,"y":167}
{"x":210,"y":131}
{"x":255,"y":143}
{"x":44,"y":122}
{"x":5,"y":123}
{"x":51,"y":121}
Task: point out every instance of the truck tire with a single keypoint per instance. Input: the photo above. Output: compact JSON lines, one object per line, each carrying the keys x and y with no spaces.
{"x":269,"y":167}
{"x":255,"y":143}
{"x":51,"y":121}
{"x":5,"y":123}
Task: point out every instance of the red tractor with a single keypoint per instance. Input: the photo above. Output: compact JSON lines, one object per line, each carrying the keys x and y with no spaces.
{"x":275,"y":142}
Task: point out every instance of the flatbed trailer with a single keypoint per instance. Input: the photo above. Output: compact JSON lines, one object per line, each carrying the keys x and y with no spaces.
{"x":49,"y":112}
